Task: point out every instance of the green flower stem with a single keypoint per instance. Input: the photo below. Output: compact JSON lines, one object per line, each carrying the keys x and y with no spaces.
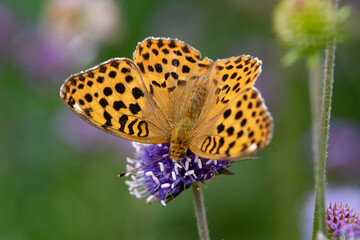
{"x":320,"y":180}
{"x":315,"y":87}
{"x":200,"y":214}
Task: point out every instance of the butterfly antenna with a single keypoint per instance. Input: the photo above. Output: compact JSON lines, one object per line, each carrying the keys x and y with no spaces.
{"x":245,"y":159}
{"x":203,"y":161}
{"x":138,"y":168}
{"x":216,"y":173}
{"x":194,"y":182}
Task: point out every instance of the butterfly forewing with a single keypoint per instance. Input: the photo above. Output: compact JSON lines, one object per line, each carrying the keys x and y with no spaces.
{"x":113,"y":97}
{"x":228,"y":78}
{"x":170,"y":68}
{"x":242,"y":127}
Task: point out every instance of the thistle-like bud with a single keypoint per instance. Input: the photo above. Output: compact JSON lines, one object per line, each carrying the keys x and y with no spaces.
{"x":342,"y":221}
{"x":306,"y":25}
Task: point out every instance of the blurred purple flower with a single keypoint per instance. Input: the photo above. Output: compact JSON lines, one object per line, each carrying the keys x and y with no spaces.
{"x":84,"y":137}
{"x":7,"y":28}
{"x":344,"y":150}
{"x":162,"y":179}
{"x":40,"y":57}
{"x":68,"y":37}
{"x":349,"y":195}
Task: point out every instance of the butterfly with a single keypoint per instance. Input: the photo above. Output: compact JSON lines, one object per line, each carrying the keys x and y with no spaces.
{"x":169,"y":94}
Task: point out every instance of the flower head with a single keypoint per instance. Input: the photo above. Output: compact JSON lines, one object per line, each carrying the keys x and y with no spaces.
{"x":348,"y":194}
{"x":306,"y":25}
{"x":162,"y":179}
{"x":342,"y":221}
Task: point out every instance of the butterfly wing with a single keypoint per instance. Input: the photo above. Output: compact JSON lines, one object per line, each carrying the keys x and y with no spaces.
{"x":228,"y":78}
{"x":169,"y":69}
{"x":243,"y":127}
{"x":113,"y":98}
{"x":235,"y":121}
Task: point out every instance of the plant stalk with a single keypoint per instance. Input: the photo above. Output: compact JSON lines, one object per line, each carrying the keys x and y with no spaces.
{"x":200,"y":214}
{"x":323,"y":137}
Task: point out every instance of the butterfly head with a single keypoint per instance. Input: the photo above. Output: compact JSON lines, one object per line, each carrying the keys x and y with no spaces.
{"x":177,"y":151}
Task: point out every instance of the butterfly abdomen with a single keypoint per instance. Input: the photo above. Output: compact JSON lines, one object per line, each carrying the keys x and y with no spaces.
{"x":181,"y":134}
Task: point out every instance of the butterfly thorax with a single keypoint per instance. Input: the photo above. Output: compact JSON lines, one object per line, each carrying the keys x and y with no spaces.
{"x":181,"y":134}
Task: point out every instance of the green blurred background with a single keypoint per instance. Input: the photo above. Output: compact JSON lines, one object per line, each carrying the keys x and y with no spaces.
{"x":58,"y":174}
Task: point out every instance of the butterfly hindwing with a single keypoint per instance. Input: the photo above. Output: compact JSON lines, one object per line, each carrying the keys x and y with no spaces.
{"x":113,"y":97}
{"x":242,"y":127}
{"x":170,"y":68}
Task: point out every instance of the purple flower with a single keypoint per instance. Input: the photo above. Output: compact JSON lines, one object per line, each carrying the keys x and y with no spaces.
{"x":350,"y":195}
{"x":159,"y":178}
{"x":342,"y":221}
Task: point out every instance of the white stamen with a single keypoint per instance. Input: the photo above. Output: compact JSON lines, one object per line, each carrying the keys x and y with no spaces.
{"x":252,"y":147}
{"x":215,"y":162}
{"x":209,"y":161}
{"x":130,"y":160}
{"x":178,"y":165}
{"x":129,"y":167}
{"x":150,"y":173}
{"x":165,"y":185}
{"x":161,"y":166}
{"x":173,"y":175}
{"x":176,"y":169}
{"x":165,"y":155}
{"x":140,"y":172}
{"x":137,"y":146}
{"x":163,"y":203}
{"x":189,"y":173}
{"x":130,"y":183}
{"x":150,"y":199}
{"x":173,"y":185}
{"x":199,"y":162}
{"x":159,"y":145}
{"x":136,"y":193}
{"x":186,"y":165}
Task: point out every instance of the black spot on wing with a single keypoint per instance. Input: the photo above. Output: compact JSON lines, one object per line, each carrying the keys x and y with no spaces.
{"x":214,"y":145}
{"x":231,"y":145}
{"x":142,"y":125}
{"x":134,"y":108}
{"x":131,"y":125}
{"x":122,"y":120}
{"x":206,"y":144}
{"x":221,"y":143}
{"x":137,"y":93}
